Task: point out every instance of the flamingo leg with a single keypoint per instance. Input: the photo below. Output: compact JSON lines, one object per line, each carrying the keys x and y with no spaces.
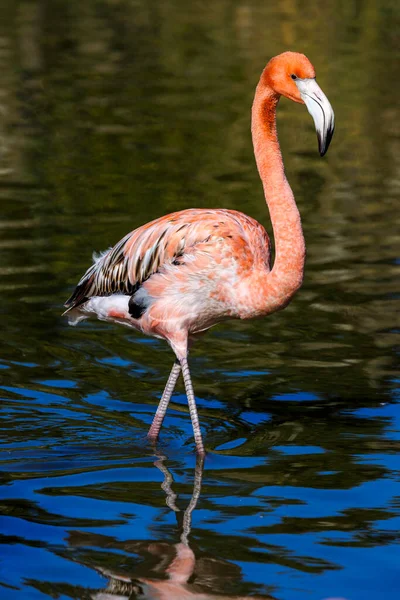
{"x":192,"y":406}
{"x":165,"y":398}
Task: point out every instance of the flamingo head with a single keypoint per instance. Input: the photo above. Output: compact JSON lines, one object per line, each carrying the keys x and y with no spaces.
{"x":292,"y":75}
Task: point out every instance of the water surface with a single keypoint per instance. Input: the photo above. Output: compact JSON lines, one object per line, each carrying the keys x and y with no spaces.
{"x":113,"y":112}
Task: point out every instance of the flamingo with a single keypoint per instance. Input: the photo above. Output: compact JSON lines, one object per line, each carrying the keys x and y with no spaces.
{"x":179,"y":275}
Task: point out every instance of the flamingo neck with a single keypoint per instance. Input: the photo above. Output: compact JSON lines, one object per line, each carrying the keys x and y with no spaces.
{"x":287,"y":272}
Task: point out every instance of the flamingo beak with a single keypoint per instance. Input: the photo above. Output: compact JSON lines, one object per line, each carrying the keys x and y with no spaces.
{"x":320,"y":109}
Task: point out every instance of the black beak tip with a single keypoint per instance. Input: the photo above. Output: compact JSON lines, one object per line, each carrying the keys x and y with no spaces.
{"x":324,"y":142}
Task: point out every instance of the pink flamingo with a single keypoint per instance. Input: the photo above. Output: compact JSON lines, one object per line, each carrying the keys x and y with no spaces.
{"x":179,"y":275}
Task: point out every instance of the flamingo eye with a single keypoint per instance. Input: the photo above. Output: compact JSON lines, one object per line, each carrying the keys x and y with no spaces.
{"x":293,"y":76}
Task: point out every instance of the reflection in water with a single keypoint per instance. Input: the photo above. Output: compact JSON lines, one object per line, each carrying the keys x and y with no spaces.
{"x":178,"y":574}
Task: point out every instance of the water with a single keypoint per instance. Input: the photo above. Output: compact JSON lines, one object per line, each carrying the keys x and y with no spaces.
{"x":113,"y":112}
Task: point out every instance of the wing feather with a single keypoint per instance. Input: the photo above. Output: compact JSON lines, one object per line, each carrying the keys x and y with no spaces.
{"x":141,"y":253}
{"x":123,"y":268}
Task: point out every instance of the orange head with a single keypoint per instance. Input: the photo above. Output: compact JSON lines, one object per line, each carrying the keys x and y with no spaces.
{"x":282,"y":72}
{"x":292,"y":75}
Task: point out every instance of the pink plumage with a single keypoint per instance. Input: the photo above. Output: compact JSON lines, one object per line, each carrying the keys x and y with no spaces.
{"x":179,"y":275}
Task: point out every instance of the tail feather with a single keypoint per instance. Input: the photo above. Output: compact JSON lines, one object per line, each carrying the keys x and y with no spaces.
{"x":79,"y":295}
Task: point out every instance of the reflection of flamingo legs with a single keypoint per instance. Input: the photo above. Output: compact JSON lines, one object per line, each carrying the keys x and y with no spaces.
{"x":187,"y":517}
{"x":182,"y":567}
{"x":171,"y":496}
{"x":170,"y":500}
{"x":181,"y":570}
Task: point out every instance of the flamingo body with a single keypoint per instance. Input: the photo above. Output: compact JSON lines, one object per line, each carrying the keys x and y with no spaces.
{"x":179,"y":275}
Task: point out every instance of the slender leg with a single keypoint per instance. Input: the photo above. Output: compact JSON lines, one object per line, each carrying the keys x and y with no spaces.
{"x":192,"y":406}
{"x":165,"y":398}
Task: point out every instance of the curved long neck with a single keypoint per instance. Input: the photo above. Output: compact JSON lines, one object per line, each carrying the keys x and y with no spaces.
{"x":287,"y":272}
